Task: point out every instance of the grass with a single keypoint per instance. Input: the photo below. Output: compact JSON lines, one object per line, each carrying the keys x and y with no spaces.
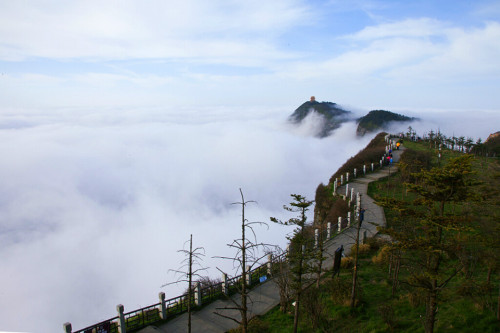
{"x":468,"y":304}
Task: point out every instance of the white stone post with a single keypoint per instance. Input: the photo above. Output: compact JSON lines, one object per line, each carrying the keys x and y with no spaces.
{"x":339,"y":224}
{"x":364,"y":169}
{"x":122,"y":328}
{"x":347,"y":190}
{"x":163,"y":306}
{"x":335,"y":187}
{"x":329,"y":230}
{"x":225,"y":286}
{"x":352,"y":194}
{"x":381,"y":163}
{"x":269,"y":264}
{"x":372,"y":167}
{"x":355,"y":173}
{"x":67,"y":327}
{"x":316,"y":238}
{"x":249,"y":277}
{"x":347,"y":177}
{"x":341,"y":179}
{"x":197,"y":294}
{"x":348,"y":219}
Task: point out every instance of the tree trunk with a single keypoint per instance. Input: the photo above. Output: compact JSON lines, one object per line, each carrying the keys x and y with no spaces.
{"x":296,"y":313}
{"x":355,"y":272}
{"x":431,"y":308}
{"x":244,"y":319}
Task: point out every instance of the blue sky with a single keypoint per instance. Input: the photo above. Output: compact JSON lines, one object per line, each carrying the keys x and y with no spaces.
{"x":399,"y":55}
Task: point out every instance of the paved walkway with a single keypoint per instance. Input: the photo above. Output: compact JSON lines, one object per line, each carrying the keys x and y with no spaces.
{"x":265,"y":296}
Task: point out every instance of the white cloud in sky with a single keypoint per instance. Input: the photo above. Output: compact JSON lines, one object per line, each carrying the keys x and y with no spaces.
{"x":155,"y":29}
{"x":258,"y":53}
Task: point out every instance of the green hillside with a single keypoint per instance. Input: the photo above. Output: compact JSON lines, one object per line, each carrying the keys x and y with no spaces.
{"x":378,"y":120}
{"x":442,"y":235}
{"x":333,"y":115}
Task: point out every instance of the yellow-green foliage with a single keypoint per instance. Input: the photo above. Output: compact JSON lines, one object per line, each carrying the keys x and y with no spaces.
{"x":382,"y":255}
{"x":346,"y":262}
{"x":363,"y":248}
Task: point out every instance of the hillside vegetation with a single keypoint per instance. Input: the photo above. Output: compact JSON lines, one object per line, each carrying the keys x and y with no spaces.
{"x":436,"y":269}
{"x":377,"y":120}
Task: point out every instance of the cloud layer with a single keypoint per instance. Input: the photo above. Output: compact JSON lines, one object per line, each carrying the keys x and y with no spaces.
{"x":95,"y":207}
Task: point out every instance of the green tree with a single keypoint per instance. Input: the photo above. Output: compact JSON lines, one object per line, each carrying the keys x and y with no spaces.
{"x":298,"y":254}
{"x":429,"y":237}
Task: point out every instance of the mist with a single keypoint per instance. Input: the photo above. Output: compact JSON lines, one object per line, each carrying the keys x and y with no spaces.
{"x":96,"y":204}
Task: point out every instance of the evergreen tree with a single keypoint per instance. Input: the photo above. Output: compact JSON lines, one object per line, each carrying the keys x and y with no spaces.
{"x":429,"y":236}
{"x":299,"y":253}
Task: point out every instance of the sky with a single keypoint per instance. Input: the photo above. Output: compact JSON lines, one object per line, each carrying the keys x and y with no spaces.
{"x":126,"y":126}
{"x":397,"y":55}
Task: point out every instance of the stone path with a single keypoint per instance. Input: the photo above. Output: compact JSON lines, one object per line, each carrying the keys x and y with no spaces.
{"x":266,"y":296}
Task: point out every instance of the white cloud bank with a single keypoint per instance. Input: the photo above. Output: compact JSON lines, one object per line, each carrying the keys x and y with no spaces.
{"x":94,"y":207}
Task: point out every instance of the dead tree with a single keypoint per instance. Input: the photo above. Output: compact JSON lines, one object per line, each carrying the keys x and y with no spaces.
{"x":248,"y":254}
{"x":193,"y":258}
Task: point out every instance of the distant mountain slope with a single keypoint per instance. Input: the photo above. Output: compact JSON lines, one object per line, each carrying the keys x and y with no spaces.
{"x":378,"y":120}
{"x":332,"y":114}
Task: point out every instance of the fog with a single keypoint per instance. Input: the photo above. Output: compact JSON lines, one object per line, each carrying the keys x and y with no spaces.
{"x":96,"y":204}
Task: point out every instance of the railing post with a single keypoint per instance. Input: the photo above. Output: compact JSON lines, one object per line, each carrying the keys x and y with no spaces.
{"x":316,"y":238}
{"x":249,"y":277}
{"x":197,"y":294}
{"x":163,"y":306}
{"x":348,"y":219}
{"x":340,"y":224}
{"x":122,"y":327}
{"x":270,"y":264}
{"x":329,"y":230}
{"x":225,"y":287}
{"x":67,"y":327}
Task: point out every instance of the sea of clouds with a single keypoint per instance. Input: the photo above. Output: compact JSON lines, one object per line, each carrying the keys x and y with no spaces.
{"x":95,"y":205}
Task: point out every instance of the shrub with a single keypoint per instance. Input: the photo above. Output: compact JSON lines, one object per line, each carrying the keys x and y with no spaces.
{"x":382,"y":256}
{"x":346,"y":262}
{"x":339,"y":290}
{"x":314,"y":308}
{"x":362,"y":248}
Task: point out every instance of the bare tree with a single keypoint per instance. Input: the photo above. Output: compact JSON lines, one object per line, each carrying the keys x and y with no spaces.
{"x":193,"y":258}
{"x":248,"y":254}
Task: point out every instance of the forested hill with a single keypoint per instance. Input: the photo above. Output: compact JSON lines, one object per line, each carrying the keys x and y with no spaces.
{"x":378,"y":120}
{"x":332,"y":116}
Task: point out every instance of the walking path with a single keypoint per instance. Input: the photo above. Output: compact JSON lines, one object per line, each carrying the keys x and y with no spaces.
{"x":266,"y":295}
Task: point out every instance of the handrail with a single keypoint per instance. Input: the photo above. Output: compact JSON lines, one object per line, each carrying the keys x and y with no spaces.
{"x":177,"y":305}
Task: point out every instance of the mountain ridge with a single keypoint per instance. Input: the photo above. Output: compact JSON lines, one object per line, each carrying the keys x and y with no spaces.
{"x":334,"y":116}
